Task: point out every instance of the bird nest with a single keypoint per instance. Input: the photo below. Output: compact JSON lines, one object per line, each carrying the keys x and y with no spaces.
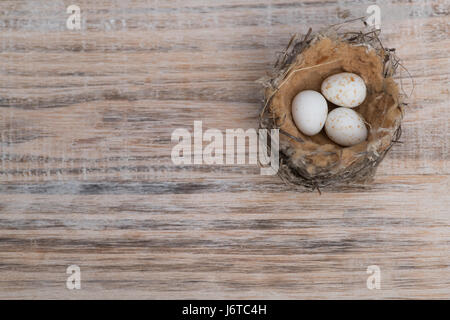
{"x":316,"y":161}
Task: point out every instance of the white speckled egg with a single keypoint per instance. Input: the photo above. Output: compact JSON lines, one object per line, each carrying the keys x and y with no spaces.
{"x":345,"y":127}
{"x":344,"y":89}
{"x":309,"y":110}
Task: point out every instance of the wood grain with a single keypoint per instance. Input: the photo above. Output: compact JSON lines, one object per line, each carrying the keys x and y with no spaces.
{"x":86,"y":176}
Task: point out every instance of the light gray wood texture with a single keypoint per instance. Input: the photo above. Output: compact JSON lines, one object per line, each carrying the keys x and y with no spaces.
{"x":86,"y":175}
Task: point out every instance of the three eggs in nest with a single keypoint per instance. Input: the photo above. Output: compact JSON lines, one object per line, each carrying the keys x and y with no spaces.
{"x":343,"y":125}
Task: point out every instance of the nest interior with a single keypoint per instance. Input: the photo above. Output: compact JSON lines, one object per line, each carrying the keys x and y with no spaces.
{"x":316,"y":160}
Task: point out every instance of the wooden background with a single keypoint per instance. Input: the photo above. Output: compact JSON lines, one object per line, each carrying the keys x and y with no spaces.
{"x":86,"y":175}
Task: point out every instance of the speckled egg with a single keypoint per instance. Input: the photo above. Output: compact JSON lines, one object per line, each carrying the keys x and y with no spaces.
{"x":344,"y":89}
{"x":345,"y":127}
{"x":309,"y":111}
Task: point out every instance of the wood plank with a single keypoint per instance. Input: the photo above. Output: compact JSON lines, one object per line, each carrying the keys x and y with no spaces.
{"x":86,"y":175}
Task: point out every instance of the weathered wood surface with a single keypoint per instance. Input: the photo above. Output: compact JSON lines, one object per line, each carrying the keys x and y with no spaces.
{"x":86,"y":175}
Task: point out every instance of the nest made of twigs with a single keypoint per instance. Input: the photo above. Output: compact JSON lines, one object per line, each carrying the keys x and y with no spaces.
{"x":316,"y":161}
